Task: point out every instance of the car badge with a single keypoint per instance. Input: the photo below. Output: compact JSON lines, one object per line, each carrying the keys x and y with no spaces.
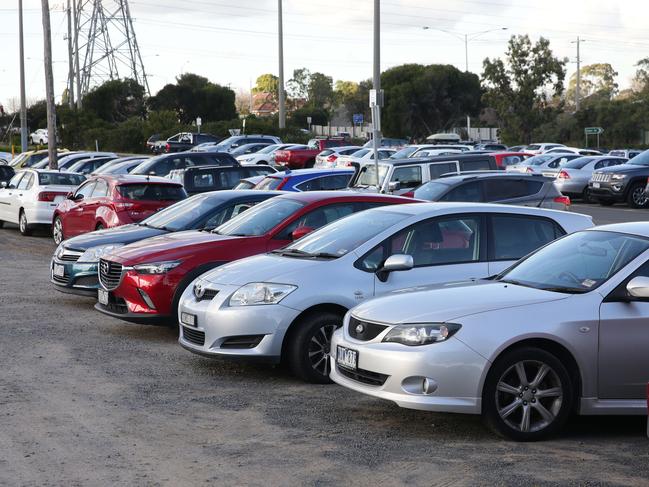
{"x":360,"y":328}
{"x":199,"y":290}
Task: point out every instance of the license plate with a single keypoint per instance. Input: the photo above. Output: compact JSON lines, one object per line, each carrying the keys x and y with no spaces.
{"x":59,"y":270}
{"x":595,"y":185}
{"x":102,"y":296}
{"x":346,"y":357}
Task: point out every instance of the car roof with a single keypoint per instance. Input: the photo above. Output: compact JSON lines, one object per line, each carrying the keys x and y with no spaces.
{"x":631,"y":228}
{"x":488,"y":175}
{"x":134,"y":178}
{"x":425,"y":160}
{"x":308,"y":172}
{"x":233,"y":194}
{"x":317,"y":196}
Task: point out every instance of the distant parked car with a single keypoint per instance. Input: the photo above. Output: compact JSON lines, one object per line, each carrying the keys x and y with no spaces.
{"x":388,"y":142}
{"x":31,"y":158}
{"x":199,"y":179}
{"x":541,"y":148}
{"x":622,"y":183}
{"x":307,"y":180}
{"x":495,"y":187}
{"x":573,"y":150}
{"x":231,"y":143}
{"x":183,"y":141}
{"x":546,"y":164}
{"x":66,"y":160}
{"x":517,"y":148}
{"x":490,"y":146}
{"x":87,"y":166}
{"x":328,"y":157}
{"x":429,"y":152}
{"x":6,"y":173}
{"x":509,"y":158}
{"x":249,"y":149}
{"x":293,"y":158}
{"x":31,"y":196}
{"x":104,"y":169}
{"x":162,"y":165}
{"x":39,"y":137}
{"x":627,"y":153}
{"x":151,"y":141}
{"x":265,"y":156}
{"x":111,"y":201}
{"x":363,"y":155}
{"x":573,"y":176}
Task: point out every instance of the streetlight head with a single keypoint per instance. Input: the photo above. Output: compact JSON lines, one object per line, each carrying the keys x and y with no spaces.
{"x":425,"y":27}
{"x":504,"y":28}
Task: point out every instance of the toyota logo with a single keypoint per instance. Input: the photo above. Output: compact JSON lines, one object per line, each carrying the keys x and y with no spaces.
{"x":360,"y":328}
{"x":199,"y":290}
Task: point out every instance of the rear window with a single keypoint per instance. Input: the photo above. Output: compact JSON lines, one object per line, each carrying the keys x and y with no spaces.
{"x":577,"y":163}
{"x":60,"y":179}
{"x":533,"y":147}
{"x":269,"y":183}
{"x":152,"y":192}
{"x":326,"y":152}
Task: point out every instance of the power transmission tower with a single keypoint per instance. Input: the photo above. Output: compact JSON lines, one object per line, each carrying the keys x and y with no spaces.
{"x":105,"y":47}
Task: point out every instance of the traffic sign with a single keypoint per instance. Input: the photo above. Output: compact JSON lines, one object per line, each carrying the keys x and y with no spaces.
{"x":357,"y":118}
{"x":593,"y":130}
{"x":308,"y":120}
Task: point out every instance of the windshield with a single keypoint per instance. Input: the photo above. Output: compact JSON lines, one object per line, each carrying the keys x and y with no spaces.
{"x":60,"y":179}
{"x":431,"y":191}
{"x":152,"y":192}
{"x":367,"y":175}
{"x":269,"y":149}
{"x":641,"y":159}
{"x":403,"y":153}
{"x":533,"y":147}
{"x":260,"y":219}
{"x":182,"y":214}
{"x":269,"y":183}
{"x":344,"y":235}
{"x":577,"y":163}
{"x":578,"y":263}
{"x":538,"y":160}
{"x":360,"y":152}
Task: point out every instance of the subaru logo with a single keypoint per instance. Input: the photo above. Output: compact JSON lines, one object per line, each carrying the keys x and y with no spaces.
{"x":360,"y":328}
{"x":199,"y":290}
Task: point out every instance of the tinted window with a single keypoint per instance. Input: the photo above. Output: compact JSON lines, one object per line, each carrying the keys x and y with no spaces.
{"x":471,"y":192}
{"x":578,"y":163}
{"x":515,"y":236}
{"x":408,"y":177}
{"x":431,"y":191}
{"x":338,"y":181}
{"x":479,"y":165}
{"x":152,"y":192}
{"x":60,"y":179}
{"x":317,"y":218}
{"x":101,"y":189}
{"x":436,"y":170}
{"x":507,"y":188}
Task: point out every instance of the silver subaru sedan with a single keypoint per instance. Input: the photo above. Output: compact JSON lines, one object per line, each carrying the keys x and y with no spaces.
{"x":563,"y":330}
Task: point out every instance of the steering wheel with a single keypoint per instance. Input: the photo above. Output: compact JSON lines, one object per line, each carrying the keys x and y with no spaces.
{"x":570,"y":276}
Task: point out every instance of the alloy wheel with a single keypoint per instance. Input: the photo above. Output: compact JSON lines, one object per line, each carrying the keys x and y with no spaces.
{"x":319,"y":346}
{"x":639,"y":197}
{"x":57,"y":231}
{"x":529,"y":405}
{"x":23,"y":222}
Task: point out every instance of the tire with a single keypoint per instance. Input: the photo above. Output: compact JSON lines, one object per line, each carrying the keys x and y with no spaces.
{"x":522,"y":418}
{"x":585,"y":195}
{"x":606,"y":202}
{"x":307,"y":348}
{"x":262,"y":163}
{"x":42,"y":142}
{"x":99,"y":226}
{"x":636,"y":197}
{"x":2,"y":223}
{"x":57,"y":231}
{"x":24,"y":227}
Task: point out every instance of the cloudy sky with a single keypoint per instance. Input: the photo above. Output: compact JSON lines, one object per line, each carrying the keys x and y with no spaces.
{"x":233,"y":41}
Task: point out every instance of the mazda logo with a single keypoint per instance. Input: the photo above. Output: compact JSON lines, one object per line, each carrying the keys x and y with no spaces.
{"x":104,"y":266}
{"x":360,"y":328}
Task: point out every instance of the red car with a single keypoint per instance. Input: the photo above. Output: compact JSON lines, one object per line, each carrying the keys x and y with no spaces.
{"x":142,"y":282}
{"x":305,"y":158}
{"x":504,"y":159}
{"x":109,"y":201}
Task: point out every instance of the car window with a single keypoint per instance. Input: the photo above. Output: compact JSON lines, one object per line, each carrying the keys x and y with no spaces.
{"x":101,"y":189}
{"x":408,"y":177}
{"x":313,"y":184}
{"x":479,"y":165}
{"x":60,"y":179}
{"x":85,"y":190}
{"x":13,"y":182}
{"x":439,"y":168}
{"x":438,"y":241}
{"x":614,"y":162}
{"x":317,"y":218}
{"x":511,"y":160}
{"x":339,"y":181}
{"x":515,"y":236}
{"x":496,"y":189}
{"x":24,"y":182}
{"x":151,"y":192}
{"x":470,"y":192}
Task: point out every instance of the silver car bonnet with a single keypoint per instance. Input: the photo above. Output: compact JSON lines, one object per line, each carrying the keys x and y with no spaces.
{"x":260,"y":268}
{"x":447,"y":302}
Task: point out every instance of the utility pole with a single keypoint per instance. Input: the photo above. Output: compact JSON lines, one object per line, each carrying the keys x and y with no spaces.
{"x":70,"y":62}
{"x":23,"y":101}
{"x":49,"y":86}
{"x":281,"y":94}
{"x":378,"y":99}
{"x":75,"y":14}
{"x":578,"y":86}
{"x":466,"y":53}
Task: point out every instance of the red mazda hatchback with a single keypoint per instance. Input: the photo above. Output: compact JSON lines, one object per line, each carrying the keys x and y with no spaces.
{"x":142,"y":282}
{"x":109,"y":201}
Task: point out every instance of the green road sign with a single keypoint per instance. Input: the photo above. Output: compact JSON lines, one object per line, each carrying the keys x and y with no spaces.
{"x":593,"y":130}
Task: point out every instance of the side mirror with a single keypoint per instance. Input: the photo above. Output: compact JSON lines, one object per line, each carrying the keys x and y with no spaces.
{"x":70,"y":196}
{"x":151,"y":173}
{"x":638,"y":287}
{"x":396,"y":262}
{"x":394,"y":186}
{"x":77,"y":197}
{"x":3,"y":184}
{"x":300,"y":232}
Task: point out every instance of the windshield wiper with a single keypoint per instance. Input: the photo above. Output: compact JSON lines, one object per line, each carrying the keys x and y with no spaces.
{"x":568,"y":290}
{"x":293,"y":252}
{"x":325,"y":255}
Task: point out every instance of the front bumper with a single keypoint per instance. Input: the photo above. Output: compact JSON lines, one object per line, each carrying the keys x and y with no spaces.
{"x":397,"y":370}
{"x":253,"y":332}
{"x":609,"y":191}
{"x":78,"y":278}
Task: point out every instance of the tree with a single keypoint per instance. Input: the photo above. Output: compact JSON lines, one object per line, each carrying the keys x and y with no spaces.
{"x":597,"y":83}
{"x":523,"y":89}
{"x":420,"y":100}
{"x":116,"y":100}
{"x":320,"y":90}
{"x":298,"y":85}
{"x":267,"y":83}
{"x":641,"y":78}
{"x":194,"y":96}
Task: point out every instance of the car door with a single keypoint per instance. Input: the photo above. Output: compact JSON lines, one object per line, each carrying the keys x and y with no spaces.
{"x":511,"y":237}
{"x":513,"y":191}
{"x":92,"y":207}
{"x":21,"y":194}
{"x":408,"y":177}
{"x":443,"y":249}
{"x":8,"y":199}
{"x":623,"y":362}
{"x":74,"y":219}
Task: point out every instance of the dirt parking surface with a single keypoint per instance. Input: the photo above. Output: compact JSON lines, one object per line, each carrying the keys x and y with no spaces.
{"x":89,"y":400}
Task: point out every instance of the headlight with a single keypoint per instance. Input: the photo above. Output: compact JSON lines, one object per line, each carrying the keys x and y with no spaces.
{"x":59,"y":250}
{"x":246,"y":159}
{"x":421,"y":333}
{"x":617,"y":177}
{"x":94,"y":253}
{"x":156,"y":267}
{"x":257,"y":293}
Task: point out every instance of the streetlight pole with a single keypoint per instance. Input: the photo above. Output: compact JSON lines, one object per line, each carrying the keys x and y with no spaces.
{"x":376,"y":82}
{"x":23,"y":102}
{"x":281,"y":95}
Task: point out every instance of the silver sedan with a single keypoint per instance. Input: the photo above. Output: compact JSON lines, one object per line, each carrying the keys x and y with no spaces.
{"x":564,"y":329}
{"x":573,"y":176}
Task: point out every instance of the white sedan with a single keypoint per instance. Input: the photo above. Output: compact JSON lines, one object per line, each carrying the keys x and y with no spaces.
{"x":38,"y":137}
{"x":31,"y":196}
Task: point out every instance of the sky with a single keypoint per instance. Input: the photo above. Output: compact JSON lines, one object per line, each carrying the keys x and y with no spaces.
{"x":231,"y":42}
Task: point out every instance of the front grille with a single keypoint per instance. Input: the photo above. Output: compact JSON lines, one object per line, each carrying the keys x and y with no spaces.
{"x":110,"y":274}
{"x":204,"y":294}
{"x":69,"y":255}
{"x":363,"y":330}
{"x":60,"y":279}
{"x":194,"y":336}
{"x":364,"y":376}
{"x":600,"y":177}
{"x":242,"y":341}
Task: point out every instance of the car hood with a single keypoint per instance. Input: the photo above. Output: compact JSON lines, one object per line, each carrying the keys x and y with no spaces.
{"x":124,"y":234}
{"x":447,"y":302}
{"x":624,"y":168}
{"x":170,"y":246}
{"x":263,"y":268}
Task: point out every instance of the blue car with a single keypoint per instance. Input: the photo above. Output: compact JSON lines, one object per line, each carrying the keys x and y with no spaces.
{"x":307,"y":180}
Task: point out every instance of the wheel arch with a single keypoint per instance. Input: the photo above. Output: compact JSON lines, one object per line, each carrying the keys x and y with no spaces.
{"x":312,"y":310}
{"x":187,"y":279}
{"x":549,"y":345}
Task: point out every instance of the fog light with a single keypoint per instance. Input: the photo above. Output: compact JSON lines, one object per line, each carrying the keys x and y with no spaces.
{"x":428,"y":386}
{"x":146,"y":299}
{"x":419,"y":385}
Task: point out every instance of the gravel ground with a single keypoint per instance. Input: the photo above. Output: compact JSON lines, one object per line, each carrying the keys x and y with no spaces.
{"x":89,"y":400}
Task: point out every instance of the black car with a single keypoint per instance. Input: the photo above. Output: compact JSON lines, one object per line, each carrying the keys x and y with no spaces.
{"x":163,"y":164}
{"x":622,"y":183}
{"x":80,"y":255}
{"x":183,"y":142}
{"x":214,"y":178}
{"x":86,"y":166}
{"x":6,"y":173}
{"x":495,"y":187}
